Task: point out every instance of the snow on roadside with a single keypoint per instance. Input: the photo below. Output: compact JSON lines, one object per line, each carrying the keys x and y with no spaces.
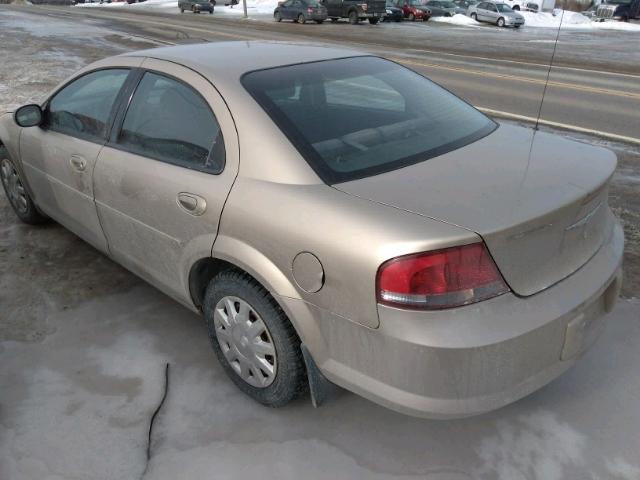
{"x":457,"y":19}
{"x":573,"y":20}
{"x":253,"y":6}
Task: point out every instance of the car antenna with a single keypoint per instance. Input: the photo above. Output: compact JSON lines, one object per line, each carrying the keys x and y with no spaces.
{"x":546,"y":83}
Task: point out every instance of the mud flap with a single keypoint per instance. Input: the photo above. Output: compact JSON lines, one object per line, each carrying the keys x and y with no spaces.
{"x":321,"y":389}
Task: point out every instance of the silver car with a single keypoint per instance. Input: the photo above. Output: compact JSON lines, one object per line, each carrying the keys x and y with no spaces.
{"x":335,"y":217}
{"x":496,"y":12}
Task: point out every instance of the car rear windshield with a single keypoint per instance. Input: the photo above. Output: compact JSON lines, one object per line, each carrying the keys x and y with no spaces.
{"x":356,"y":117}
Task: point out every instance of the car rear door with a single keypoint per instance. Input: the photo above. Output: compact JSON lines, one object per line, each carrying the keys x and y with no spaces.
{"x":59,"y":157}
{"x":162,"y":180}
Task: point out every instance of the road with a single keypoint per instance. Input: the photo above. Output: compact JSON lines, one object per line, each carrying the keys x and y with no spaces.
{"x":594,"y":85}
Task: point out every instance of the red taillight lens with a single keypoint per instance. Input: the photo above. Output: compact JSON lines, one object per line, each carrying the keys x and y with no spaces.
{"x":440,"y":279}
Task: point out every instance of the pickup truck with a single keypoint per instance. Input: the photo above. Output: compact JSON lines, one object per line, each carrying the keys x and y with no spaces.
{"x":356,"y":10}
{"x":623,"y":10}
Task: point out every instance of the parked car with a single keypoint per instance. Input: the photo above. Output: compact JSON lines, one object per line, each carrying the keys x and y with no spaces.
{"x":300,"y":11}
{"x":195,"y":6}
{"x":496,"y":12}
{"x":443,"y":8}
{"x":414,"y":9}
{"x":622,"y":10}
{"x":393,"y":13}
{"x":290,"y":195}
{"x":355,"y":10}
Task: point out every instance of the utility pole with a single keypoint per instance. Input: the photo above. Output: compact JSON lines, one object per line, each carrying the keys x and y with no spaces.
{"x":244,"y":6}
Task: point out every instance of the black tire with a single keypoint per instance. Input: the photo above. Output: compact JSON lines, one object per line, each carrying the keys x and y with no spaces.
{"x":411,"y":17}
{"x":277,"y":17}
{"x":500,"y":22}
{"x":353,"y":17}
{"x":302,"y":19}
{"x":516,"y":8}
{"x":373,"y":20}
{"x":182,"y":10}
{"x":334,"y":20}
{"x":290,"y":380}
{"x":319,"y":22}
{"x":474,"y":17}
{"x":27,"y":213}
{"x":516,"y":26}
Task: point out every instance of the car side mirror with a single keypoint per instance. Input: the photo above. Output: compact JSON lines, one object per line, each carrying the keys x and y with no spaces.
{"x":29,"y":115}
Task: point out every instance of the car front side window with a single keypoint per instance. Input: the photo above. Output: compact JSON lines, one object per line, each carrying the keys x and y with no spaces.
{"x":169,"y":121}
{"x":83,"y":108}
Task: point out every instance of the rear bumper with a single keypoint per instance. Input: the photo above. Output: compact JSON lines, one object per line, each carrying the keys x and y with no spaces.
{"x":468,"y":360}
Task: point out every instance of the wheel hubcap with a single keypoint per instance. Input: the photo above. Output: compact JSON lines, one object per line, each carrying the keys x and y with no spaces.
{"x":13,"y":186}
{"x":245,"y":341}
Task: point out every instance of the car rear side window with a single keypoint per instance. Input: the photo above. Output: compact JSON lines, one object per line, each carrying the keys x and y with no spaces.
{"x":83,"y":107}
{"x":169,"y":121}
{"x":356,"y":117}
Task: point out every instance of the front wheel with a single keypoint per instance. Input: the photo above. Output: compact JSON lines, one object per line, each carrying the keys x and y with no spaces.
{"x":254,"y":340}
{"x":19,"y":198}
{"x":500,"y":22}
{"x":373,"y":20}
{"x":277,"y":17}
{"x":302,"y":19}
{"x":353,"y":18}
{"x":411,"y":17}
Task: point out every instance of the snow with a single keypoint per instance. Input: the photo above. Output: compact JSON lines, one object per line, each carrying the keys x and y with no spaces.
{"x":253,"y":6}
{"x":457,"y":19}
{"x":573,"y":20}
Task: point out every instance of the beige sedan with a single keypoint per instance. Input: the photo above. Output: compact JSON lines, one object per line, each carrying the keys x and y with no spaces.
{"x":336,"y":217}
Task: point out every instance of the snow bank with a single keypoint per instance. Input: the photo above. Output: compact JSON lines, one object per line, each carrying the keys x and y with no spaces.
{"x":573,"y":20}
{"x":253,"y":6}
{"x":457,"y":19}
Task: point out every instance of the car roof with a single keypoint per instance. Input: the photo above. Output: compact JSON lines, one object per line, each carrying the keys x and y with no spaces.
{"x":228,"y":61}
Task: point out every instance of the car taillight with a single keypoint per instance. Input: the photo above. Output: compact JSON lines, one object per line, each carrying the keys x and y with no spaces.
{"x":439,"y":279}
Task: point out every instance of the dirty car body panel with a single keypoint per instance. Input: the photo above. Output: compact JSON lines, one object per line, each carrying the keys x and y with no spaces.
{"x":291,"y":185}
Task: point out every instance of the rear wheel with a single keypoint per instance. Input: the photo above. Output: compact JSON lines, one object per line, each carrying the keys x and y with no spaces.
{"x":254,"y":340}
{"x":500,"y":22}
{"x":19,"y":198}
{"x":277,"y":17}
{"x":353,"y":17}
{"x":373,"y":20}
{"x":302,"y":19}
{"x":411,"y":17}
{"x":474,"y":17}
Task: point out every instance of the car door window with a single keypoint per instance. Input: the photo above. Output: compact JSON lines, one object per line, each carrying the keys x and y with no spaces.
{"x":83,"y":108}
{"x":491,"y":8}
{"x":169,"y":121}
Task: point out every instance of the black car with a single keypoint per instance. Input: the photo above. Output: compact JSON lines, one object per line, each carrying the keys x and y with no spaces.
{"x":196,"y":6}
{"x":393,"y":13}
{"x":300,"y":11}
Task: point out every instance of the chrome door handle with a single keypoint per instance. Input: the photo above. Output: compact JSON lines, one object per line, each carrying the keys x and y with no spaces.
{"x":192,"y":203}
{"x":78,"y":163}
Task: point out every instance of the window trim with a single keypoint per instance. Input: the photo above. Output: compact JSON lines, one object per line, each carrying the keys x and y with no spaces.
{"x":318,"y":165}
{"x":124,"y":108}
{"x":112,"y":114}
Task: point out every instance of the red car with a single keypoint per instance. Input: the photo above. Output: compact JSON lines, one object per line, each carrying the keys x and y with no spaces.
{"x":414,"y":9}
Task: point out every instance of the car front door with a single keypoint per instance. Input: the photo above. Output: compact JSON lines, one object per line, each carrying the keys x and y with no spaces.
{"x":492,"y":13}
{"x":162,"y":180}
{"x":481,"y":11}
{"x":59,"y":157}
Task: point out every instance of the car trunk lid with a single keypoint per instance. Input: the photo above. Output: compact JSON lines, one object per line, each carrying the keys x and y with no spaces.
{"x":540,"y":207}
